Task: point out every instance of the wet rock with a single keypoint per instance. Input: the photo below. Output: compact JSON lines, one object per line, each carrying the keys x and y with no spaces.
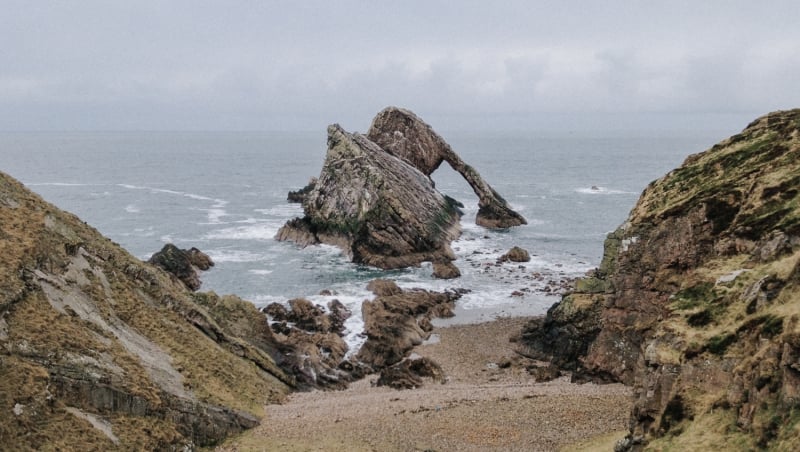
{"x":182,"y":263}
{"x":445,"y":270}
{"x":410,"y":373}
{"x":338,"y":315}
{"x":401,"y":133}
{"x":516,"y":254}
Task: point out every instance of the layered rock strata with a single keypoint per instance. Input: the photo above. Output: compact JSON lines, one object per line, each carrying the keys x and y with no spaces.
{"x":401,"y":133}
{"x":379,"y":209}
{"x":697,"y":300}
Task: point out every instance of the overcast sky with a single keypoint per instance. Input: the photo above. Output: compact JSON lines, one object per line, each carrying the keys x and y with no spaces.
{"x":271,"y":65}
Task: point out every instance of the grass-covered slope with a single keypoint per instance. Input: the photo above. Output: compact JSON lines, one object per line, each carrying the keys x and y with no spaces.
{"x":697,"y":300}
{"x":100,"y":351}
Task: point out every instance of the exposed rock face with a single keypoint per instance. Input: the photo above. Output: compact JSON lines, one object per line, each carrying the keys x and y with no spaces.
{"x":299,"y":196}
{"x":112,"y":350}
{"x":696,"y":302}
{"x":402,"y":134}
{"x":376,"y":207}
{"x":184,"y":264}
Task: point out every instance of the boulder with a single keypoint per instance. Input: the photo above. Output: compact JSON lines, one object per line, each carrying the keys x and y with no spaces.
{"x":184,"y":264}
{"x":516,"y":254}
{"x":401,"y":133}
{"x":377,"y":208}
{"x":445,"y":270}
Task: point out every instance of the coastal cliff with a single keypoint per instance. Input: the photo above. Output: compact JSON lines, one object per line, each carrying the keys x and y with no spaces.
{"x":697,"y":300}
{"x":101,"y":351}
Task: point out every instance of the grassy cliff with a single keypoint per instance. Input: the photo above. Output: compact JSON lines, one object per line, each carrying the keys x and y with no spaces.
{"x":100,"y":351}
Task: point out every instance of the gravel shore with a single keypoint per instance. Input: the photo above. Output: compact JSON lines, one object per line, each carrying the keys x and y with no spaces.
{"x":486,"y":404}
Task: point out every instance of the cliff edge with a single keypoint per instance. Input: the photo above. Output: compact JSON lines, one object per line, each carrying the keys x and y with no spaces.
{"x":697,"y":301}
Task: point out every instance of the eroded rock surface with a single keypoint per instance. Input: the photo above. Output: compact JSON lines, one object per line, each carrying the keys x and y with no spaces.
{"x":696,"y":302}
{"x":401,"y":133}
{"x":379,"y":209}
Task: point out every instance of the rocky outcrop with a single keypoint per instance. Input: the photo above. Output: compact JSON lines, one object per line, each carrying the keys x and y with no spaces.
{"x":298,"y":196}
{"x":404,"y":135}
{"x":379,"y":209}
{"x":115,"y":351}
{"x":184,"y":264}
{"x":397,"y":320}
{"x":696,"y":301}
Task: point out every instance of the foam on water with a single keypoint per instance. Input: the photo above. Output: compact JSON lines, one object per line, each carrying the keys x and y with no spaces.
{"x":596,"y":190}
{"x":261,"y":231}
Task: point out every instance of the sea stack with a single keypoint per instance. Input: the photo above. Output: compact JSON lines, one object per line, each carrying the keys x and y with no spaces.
{"x":379,"y":209}
{"x":403,"y":134}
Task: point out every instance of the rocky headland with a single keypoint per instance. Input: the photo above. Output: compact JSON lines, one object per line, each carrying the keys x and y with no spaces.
{"x":375,"y":200}
{"x":696,"y":302}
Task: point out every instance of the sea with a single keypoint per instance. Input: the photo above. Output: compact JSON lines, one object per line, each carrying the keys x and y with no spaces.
{"x":225,"y":193}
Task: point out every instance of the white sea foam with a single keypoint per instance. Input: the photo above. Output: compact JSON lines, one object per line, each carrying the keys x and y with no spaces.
{"x":220,"y":255}
{"x":596,"y":190}
{"x":288,"y":210}
{"x":260,"y":271}
{"x":132,"y":208}
{"x":259,"y":231}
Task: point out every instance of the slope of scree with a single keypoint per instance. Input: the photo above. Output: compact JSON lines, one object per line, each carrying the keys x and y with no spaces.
{"x":697,"y":300}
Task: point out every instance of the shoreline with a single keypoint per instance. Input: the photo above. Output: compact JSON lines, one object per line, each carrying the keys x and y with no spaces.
{"x":490,"y":402}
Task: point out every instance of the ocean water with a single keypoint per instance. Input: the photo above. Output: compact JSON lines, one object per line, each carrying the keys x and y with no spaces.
{"x":225,"y":193}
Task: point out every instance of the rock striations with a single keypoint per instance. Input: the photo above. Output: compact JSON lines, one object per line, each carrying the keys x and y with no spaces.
{"x":697,"y":300}
{"x":100,"y":351}
{"x":379,"y":209}
{"x":375,"y":200}
{"x":401,"y":133}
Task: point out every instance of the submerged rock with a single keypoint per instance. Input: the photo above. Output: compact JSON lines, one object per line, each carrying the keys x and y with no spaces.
{"x":379,"y":209}
{"x":184,"y":264}
{"x":672,"y":311}
{"x":401,"y":133}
